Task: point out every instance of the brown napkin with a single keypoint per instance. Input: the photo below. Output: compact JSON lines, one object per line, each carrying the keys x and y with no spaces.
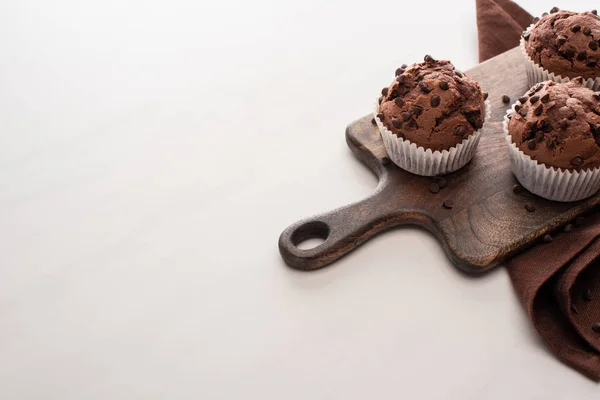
{"x":558,"y":282}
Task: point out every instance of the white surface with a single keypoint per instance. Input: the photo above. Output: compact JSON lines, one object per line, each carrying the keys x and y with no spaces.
{"x":150,"y":154}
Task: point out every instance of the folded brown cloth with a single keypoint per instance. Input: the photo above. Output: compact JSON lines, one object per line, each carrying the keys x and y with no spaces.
{"x":558,"y":282}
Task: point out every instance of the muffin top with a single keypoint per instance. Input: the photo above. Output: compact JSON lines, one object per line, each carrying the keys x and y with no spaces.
{"x":558,"y":124}
{"x":432,"y":105}
{"x":566,"y":43}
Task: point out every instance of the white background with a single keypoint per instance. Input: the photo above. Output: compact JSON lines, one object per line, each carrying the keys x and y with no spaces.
{"x":151,"y":152}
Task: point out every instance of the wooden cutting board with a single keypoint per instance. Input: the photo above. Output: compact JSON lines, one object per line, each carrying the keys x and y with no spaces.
{"x":488,"y":222}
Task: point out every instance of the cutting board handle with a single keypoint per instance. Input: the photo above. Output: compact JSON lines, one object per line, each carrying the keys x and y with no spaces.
{"x":342,"y":229}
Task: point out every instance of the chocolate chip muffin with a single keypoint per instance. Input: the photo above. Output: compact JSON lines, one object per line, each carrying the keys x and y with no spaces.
{"x":565,"y":43}
{"x":432,"y":104}
{"x":553,"y":137}
{"x":558,"y":125}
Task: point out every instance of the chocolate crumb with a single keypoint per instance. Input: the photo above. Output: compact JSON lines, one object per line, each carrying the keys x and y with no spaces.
{"x":530,"y":207}
{"x":505,"y":99}
{"x":568,"y":228}
{"x":548,"y":239}
{"x":448,"y":204}
{"x":441,"y":181}
{"x":434,"y":188}
{"x":517,"y":189}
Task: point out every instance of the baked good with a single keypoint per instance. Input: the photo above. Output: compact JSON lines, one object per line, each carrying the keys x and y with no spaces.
{"x":553,"y":134}
{"x":565,"y":44}
{"x":432,"y":105}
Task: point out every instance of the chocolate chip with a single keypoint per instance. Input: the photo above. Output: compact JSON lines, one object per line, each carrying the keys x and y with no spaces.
{"x":518,"y":107}
{"x":595,"y":12}
{"x":551,"y":143}
{"x":424,"y":88}
{"x":591,"y":62}
{"x":535,"y":20}
{"x":394,"y":94}
{"x":587,"y":295}
{"x":523,"y":112}
{"x":568,"y":228}
{"x":429,"y":59}
{"x":577,"y":161}
{"x":441,"y":181}
{"x":444,"y":85}
{"x":579,"y":221}
{"x":534,"y":99}
{"x":561,"y":40}
{"x":406,"y":116}
{"x":587,"y":31}
{"x":570,"y":52}
{"x":582,"y":55}
{"x":381,"y":116}
{"x":384,"y":91}
{"x":461,"y":130}
{"x":434,"y":101}
{"x":380,"y":99}
{"x":523,"y":99}
{"x":399,"y":71}
{"x":485,"y":95}
{"x":505,"y":99}
{"x":596,"y":129}
{"x":578,"y":80}
{"x":399,"y":102}
{"x":597,"y":96}
{"x":544,"y":14}
{"x":434,"y":188}
{"x":536,"y":88}
{"x":517,"y":189}
{"x":575,"y":28}
{"x":538,"y":110}
{"x":596,"y":328}
{"x":411,"y":124}
{"x":564,"y":123}
{"x":401,"y":135}
{"x":548,"y":239}
{"x":385,"y":161}
{"x":539,"y":137}
{"x":531,"y":145}
{"x":373,"y":121}
{"x":526,"y":35}
{"x":397,"y":123}
{"x":530,"y":207}
{"x":448,"y":204}
{"x":401,"y":78}
{"x":459,"y":74}
{"x":509,"y":116}
{"x":417,"y":110}
{"x":554,"y":10}
{"x":545,"y":98}
{"x":404,"y":66}
{"x":574,"y":309}
{"x":593,"y":45}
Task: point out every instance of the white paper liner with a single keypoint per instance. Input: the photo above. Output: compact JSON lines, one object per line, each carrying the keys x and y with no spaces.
{"x":547,"y":182}
{"x":421,"y":161}
{"x":536,"y":73}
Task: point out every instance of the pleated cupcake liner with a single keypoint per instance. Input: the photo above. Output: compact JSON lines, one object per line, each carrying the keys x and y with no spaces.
{"x":420,"y":161}
{"x":536,"y":73}
{"x":548,"y":182}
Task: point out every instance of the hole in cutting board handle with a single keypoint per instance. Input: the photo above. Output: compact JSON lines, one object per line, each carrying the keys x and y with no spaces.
{"x":310,"y":230}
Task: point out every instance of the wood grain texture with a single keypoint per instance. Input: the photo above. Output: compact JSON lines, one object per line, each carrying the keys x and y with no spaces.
{"x":488,"y":222}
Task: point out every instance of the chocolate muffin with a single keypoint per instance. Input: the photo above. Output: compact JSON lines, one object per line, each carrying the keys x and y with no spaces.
{"x":432,"y":105}
{"x":566,"y":43}
{"x":558,"y":124}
